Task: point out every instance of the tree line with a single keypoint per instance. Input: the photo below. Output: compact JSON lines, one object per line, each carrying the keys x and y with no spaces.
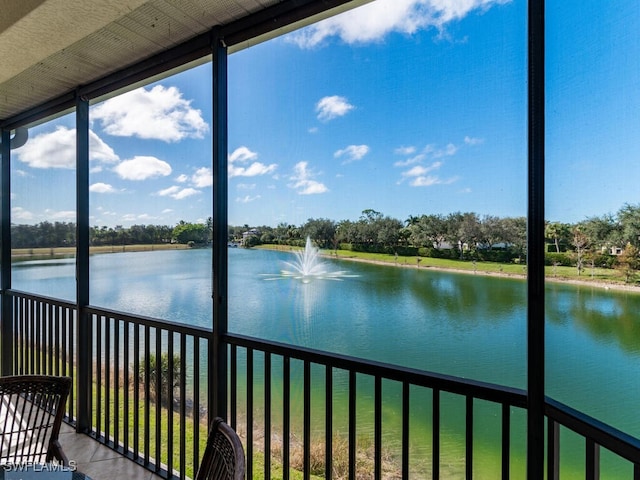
{"x":611,"y":240}
{"x":63,"y":234}
{"x":603,"y":241}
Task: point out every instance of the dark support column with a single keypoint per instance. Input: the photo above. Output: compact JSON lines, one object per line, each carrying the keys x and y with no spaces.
{"x":6,"y":321}
{"x":84,"y":327}
{"x":535,"y":245}
{"x":218,"y":348}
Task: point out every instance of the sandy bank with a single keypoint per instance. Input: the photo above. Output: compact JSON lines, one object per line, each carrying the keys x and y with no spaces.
{"x":571,"y":281}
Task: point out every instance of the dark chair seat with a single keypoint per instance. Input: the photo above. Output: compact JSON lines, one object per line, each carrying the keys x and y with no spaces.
{"x":31,"y":411}
{"x":223,"y":457}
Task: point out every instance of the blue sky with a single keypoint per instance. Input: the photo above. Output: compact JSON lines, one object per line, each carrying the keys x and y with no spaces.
{"x":403,"y":106}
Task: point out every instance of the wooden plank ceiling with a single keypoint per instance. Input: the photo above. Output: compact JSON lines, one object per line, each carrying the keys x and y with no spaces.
{"x":49,"y":47}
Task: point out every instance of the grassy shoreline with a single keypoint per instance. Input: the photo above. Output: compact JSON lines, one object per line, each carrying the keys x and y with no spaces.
{"x":605,"y":278}
{"x":62,"y":252}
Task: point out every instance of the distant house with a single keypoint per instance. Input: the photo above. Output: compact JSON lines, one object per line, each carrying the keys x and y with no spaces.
{"x":254,"y":232}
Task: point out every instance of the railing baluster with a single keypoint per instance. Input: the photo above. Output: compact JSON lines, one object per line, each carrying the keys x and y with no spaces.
{"x":286,"y":407}
{"x":553,"y":450}
{"x":158,"y":399}
{"x":107,"y":378}
{"x":116,"y":382}
{"x":49,"y":341}
{"x":183,"y":403}
{"x":435,"y":421}
{"x":469,"y":438}
{"x":31,"y":335}
{"x":352,"y":425}
{"x":234,"y":387}
{"x":249,"y":441}
{"x":56,"y":340}
{"x":127,"y":386}
{"x":196,"y":404}
{"x":377,"y":429}
{"x":306,"y":428}
{"x":506,"y":440}
{"x":405,"y":429}
{"x":66,"y":359}
{"x":169,"y":388}
{"x":328,"y":422}
{"x":147,"y":393}
{"x":70,"y":315}
{"x":267,"y":415}
{"x":98,"y":332}
{"x":592,"y":460}
{"x":136,"y":390}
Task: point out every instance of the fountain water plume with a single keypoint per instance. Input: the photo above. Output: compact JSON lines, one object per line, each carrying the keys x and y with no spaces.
{"x":309,"y":266}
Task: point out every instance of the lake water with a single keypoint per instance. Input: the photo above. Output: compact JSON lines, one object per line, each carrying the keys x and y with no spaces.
{"x":464,"y":325}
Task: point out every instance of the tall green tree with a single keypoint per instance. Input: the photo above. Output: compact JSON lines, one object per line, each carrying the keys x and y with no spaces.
{"x":197,"y":233}
{"x":557,"y":233}
{"x":629,"y":262}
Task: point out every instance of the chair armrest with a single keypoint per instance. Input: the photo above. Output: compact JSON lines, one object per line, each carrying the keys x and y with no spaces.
{"x":55,"y":451}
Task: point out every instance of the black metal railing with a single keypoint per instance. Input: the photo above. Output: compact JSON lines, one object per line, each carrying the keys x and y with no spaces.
{"x":149,"y":395}
{"x":149,"y":401}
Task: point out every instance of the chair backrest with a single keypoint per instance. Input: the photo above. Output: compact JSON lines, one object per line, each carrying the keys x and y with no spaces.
{"x":223,"y":458}
{"x":31,"y":412}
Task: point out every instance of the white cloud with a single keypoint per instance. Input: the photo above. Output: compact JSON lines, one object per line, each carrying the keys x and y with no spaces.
{"x":410,"y":161}
{"x":160,"y":114}
{"x":178,"y":193}
{"x":375,"y":20}
{"x":447,"y":151}
{"x":64,"y":215}
{"x":100,"y":187}
{"x":405,"y":150}
{"x":242,"y":155}
{"x":421,"y":176}
{"x":202,"y":178}
{"x":303,"y":182}
{"x":167,"y":210}
{"x":182,"y":178}
{"x":313,"y":130}
{"x":332,"y":107}
{"x":473,"y":141}
{"x":142,"y":168}
{"x":352,"y":153}
{"x":248,"y":199}
{"x":246,"y":186}
{"x":57,"y":149}
{"x":19,"y":213}
{"x":186,"y":192}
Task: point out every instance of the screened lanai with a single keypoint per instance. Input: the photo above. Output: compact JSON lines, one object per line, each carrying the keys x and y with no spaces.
{"x":69,"y":68}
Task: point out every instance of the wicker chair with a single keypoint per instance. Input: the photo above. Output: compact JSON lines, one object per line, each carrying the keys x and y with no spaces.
{"x":31,"y":411}
{"x":224,"y":456}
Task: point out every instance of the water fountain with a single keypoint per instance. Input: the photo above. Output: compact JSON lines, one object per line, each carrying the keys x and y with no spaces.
{"x":309,"y":266}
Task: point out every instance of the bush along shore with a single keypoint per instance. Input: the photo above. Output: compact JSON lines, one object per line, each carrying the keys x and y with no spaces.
{"x":591,"y":275}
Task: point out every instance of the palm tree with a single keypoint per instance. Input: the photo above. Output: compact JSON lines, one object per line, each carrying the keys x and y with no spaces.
{"x":556,"y":232}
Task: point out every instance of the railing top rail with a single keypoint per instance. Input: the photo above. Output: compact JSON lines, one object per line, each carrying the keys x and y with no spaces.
{"x":133,"y":318}
{"x":604,"y":435}
{"x":152,"y":322}
{"x":41,"y":298}
{"x":481,"y":390}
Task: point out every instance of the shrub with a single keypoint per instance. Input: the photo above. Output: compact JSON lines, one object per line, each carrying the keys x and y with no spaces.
{"x":167,"y":387}
{"x":562,"y":259}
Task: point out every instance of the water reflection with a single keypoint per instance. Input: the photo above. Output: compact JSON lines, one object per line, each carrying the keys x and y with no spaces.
{"x":608,"y":316}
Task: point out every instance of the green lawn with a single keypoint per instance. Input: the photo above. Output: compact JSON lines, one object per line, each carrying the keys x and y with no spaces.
{"x":597,"y":275}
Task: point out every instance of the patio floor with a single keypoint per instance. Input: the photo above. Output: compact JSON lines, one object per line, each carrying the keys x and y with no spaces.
{"x":98,"y":461}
